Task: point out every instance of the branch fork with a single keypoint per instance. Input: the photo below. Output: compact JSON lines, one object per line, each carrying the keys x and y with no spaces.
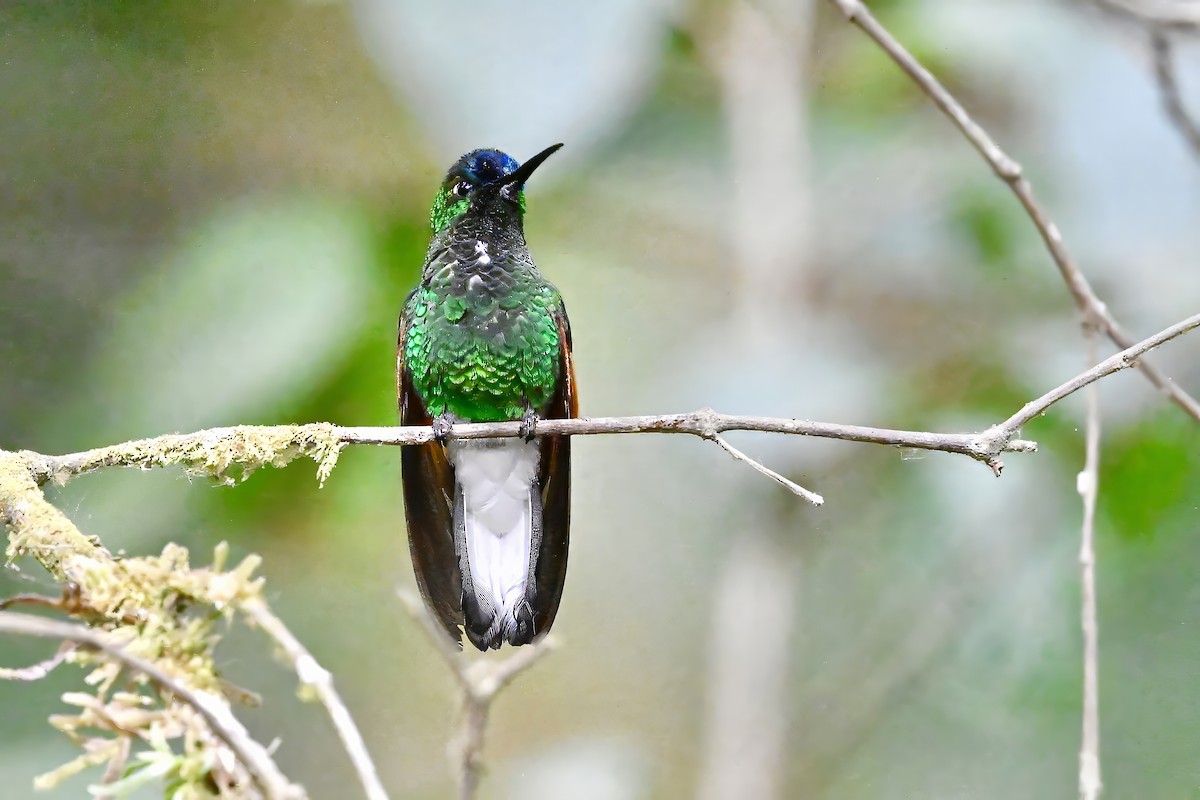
{"x":479,"y":683}
{"x":1091,"y":308}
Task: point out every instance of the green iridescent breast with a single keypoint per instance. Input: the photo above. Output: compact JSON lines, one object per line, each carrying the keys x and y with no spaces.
{"x":483,"y":345}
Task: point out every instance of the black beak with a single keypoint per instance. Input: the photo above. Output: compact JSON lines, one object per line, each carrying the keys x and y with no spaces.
{"x":518,"y":178}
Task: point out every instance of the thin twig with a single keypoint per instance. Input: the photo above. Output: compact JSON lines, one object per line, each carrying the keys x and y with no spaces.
{"x":252,"y":755}
{"x":500,"y":674}
{"x":486,"y":680}
{"x":40,"y":600}
{"x":479,"y":683}
{"x":35,"y":672}
{"x":792,"y":486}
{"x":1095,"y":312}
{"x":316,"y":677}
{"x":1168,"y":90}
{"x":1160,"y":13}
{"x":1089,"y":488}
{"x":1125,"y":359}
{"x":1159,"y":21}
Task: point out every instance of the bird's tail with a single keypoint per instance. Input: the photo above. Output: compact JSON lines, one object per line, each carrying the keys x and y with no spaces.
{"x":497,"y":537}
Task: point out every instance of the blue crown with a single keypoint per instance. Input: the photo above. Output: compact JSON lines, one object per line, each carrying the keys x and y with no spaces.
{"x":483,"y":166}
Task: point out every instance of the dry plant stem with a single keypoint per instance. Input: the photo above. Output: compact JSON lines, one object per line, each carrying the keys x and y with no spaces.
{"x":316,"y":677}
{"x":256,"y":759}
{"x":1168,"y":90}
{"x":479,"y":682}
{"x":1089,"y":488}
{"x":1094,"y":311}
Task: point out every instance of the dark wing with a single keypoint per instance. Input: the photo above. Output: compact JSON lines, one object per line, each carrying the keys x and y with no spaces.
{"x":555,"y":480}
{"x":428,"y":481}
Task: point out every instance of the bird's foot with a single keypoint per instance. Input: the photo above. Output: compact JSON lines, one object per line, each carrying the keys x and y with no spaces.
{"x":528,"y":423}
{"x":442,"y":425}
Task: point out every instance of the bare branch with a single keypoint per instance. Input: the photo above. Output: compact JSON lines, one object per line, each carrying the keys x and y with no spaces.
{"x":1094,"y":311}
{"x":35,"y":672}
{"x":1168,"y":90}
{"x":174,"y":449}
{"x":1089,"y":487}
{"x":1125,"y":359}
{"x":256,"y":759}
{"x":1160,"y":20}
{"x":1160,"y":13}
{"x":793,"y":487}
{"x":317,"y":678}
{"x":468,"y":746}
{"x":499,"y":675}
{"x":228,"y":446}
{"x":479,"y":682}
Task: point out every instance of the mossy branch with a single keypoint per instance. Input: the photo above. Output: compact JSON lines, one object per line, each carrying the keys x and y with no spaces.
{"x":218,"y":719}
{"x":226,"y":454}
{"x":154,"y":626}
{"x":150,"y":658}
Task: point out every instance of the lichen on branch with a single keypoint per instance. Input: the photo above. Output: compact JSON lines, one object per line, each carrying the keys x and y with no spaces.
{"x":158,"y":609}
{"x":229,"y":455}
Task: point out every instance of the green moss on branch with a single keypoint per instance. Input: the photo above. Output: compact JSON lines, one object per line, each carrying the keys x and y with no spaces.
{"x":226,"y":454}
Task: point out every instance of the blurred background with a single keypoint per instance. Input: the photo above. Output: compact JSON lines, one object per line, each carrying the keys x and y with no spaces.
{"x":210,"y":214}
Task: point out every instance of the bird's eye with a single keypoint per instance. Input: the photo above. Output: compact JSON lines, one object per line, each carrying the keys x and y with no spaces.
{"x":461,"y":189}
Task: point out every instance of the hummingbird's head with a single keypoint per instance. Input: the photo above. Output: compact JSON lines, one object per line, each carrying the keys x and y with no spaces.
{"x":483,"y":180}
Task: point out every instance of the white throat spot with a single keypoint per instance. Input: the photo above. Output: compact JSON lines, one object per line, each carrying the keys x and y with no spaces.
{"x":481,"y":250}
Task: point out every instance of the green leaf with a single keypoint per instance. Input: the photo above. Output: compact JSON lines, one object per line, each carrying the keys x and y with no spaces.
{"x":1150,"y":473}
{"x":255,"y":305}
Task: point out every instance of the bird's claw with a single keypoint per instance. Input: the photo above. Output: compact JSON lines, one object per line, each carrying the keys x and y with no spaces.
{"x":442,"y":425}
{"x":528,"y":423}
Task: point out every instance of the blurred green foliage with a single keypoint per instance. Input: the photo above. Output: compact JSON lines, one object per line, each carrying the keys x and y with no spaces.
{"x":1153,"y":475}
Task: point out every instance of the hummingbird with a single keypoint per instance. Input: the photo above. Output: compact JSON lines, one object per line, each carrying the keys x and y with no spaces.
{"x":485,"y":338}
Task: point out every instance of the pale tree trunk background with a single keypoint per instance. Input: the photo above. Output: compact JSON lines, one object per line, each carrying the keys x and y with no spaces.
{"x":759,"y":57}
